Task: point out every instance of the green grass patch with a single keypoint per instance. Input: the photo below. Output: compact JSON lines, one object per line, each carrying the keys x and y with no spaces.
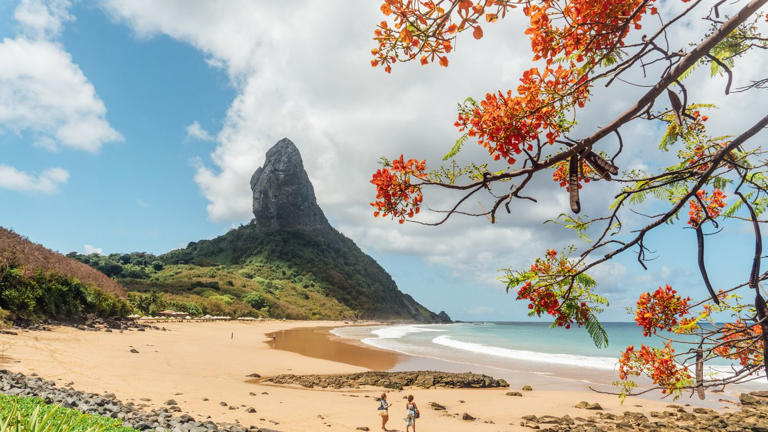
{"x":28,"y":414}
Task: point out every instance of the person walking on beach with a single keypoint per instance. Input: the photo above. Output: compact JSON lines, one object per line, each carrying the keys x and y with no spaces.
{"x":411,"y":414}
{"x":384,"y":411}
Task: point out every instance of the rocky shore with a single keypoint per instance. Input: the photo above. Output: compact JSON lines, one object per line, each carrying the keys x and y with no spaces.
{"x":88,"y":323}
{"x":137,"y":416}
{"x":751,"y":417}
{"x":391,"y":380}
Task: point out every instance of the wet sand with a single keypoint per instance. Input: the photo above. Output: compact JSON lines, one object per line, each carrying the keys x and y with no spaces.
{"x":318,"y":342}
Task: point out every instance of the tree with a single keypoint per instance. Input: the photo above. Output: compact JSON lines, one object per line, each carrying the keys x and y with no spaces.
{"x":529,"y":133}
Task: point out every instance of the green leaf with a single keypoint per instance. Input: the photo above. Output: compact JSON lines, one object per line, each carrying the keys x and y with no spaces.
{"x":577,"y":224}
{"x":597,"y":332}
{"x":456,"y":147}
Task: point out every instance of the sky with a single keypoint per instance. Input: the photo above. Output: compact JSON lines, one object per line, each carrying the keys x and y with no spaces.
{"x":135,"y":125}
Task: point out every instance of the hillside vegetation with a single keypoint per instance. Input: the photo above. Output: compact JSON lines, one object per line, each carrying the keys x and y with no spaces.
{"x":32,"y":257}
{"x":295,"y":274}
{"x":39,"y":284}
{"x":249,"y":289}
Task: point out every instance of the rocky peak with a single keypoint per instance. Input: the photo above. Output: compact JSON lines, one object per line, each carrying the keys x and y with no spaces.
{"x":283,"y":196}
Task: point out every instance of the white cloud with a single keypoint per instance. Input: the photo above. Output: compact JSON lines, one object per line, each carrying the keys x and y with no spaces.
{"x":41,"y":19}
{"x":89,"y":249}
{"x":142,"y":203}
{"x":47,"y":182}
{"x":42,"y":91}
{"x":301,"y":71}
{"x":195,"y":131}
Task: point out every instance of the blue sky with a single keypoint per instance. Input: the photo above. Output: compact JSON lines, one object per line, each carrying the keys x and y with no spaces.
{"x":135,"y":194}
{"x":182,"y":100}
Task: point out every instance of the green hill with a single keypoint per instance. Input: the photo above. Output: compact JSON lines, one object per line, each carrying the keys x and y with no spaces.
{"x":295,"y":274}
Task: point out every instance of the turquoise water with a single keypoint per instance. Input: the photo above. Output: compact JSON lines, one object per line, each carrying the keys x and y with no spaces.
{"x":508,"y":345}
{"x":527,"y":354}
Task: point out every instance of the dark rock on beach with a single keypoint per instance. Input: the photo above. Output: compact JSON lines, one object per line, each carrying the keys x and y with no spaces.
{"x":436,"y":406}
{"x":393,"y":380}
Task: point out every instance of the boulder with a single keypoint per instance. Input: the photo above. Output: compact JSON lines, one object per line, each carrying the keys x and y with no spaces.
{"x":436,"y":406}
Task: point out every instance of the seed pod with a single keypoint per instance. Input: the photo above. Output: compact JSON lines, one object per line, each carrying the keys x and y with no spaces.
{"x":762,"y":310}
{"x":760,"y":306}
{"x":702,"y":267}
{"x":600,"y":165}
{"x":677,"y":106}
{"x":754,"y":275}
{"x":573,"y":183}
{"x":700,"y":373}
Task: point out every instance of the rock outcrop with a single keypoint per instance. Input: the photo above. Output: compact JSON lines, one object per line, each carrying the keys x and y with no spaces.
{"x":283,"y":196}
{"x":395,"y":380}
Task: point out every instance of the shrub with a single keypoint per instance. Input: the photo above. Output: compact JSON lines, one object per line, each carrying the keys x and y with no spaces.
{"x":255,"y":300}
{"x":17,"y":293}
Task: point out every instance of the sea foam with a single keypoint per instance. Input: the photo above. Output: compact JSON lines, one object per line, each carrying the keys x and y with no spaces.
{"x":606,"y":363}
{"x":397,"y":332}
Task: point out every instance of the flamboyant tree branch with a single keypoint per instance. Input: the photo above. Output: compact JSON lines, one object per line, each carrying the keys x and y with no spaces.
{"x":686,"y":62}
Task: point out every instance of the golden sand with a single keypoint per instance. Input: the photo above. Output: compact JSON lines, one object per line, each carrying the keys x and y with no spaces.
{"x":202,"y":364}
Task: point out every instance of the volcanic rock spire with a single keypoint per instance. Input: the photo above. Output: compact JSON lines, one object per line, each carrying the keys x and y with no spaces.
{"x":283,"y":196}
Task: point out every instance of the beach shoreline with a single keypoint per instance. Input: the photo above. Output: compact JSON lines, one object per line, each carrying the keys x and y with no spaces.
{"x":201,"y":365}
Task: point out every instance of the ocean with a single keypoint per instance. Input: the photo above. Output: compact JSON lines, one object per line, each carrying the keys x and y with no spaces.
{"x":521,"y":352}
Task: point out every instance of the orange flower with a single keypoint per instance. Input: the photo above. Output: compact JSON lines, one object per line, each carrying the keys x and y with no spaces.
{"x":660,"y":310}
{"x":478,"y":32}
{"x":395,"y":194}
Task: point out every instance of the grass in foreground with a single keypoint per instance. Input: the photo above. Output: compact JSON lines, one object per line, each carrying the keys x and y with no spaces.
{"x":27,"y":414}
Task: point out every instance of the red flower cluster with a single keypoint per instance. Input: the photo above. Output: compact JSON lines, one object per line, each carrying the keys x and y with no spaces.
{"x":742,"y":343}
{"x":427,"y":28}
{"x":507,"y":124}
{"x":542,"y":297}
{"x":560,"y":175}
{"x":660,"y":310}
{"x":658,"y":364}
{"x":590,"y":26}
{"x":395,"y":194}
{"x":713,"y":205}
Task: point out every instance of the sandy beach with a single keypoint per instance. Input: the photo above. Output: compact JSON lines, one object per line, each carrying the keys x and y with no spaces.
{"x":201,"y":365}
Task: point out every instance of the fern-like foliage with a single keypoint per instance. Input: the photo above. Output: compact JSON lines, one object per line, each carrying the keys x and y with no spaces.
{"x":597,"y":332}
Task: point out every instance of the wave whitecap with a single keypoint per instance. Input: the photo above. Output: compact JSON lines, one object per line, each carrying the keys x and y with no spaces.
{"x":606,"y":363}
{"x":386,"y":337}
{"x":397,"y":332}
